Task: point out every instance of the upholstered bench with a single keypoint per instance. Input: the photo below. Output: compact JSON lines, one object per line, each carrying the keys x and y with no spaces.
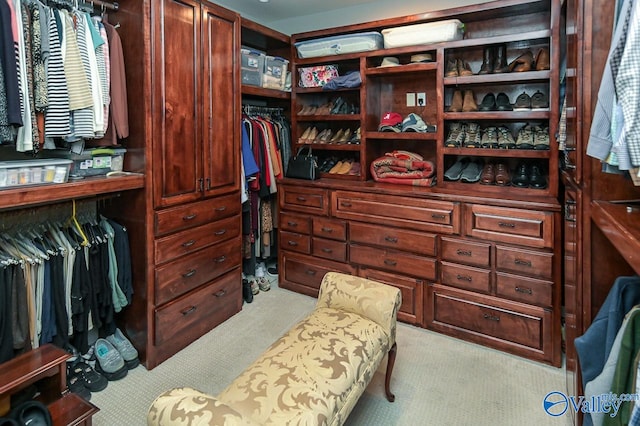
{"x":313,"y":375}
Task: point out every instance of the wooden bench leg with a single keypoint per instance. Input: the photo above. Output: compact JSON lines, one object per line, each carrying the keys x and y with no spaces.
{"x":390,"y":362}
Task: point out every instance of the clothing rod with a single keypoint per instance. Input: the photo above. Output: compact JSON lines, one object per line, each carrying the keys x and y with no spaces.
{"x":102,"y":4}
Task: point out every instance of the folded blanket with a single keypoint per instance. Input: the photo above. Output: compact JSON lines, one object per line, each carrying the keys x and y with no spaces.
{"x":404,"y":168}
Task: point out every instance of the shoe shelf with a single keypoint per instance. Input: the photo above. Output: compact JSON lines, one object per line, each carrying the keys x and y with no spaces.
{"x":402,"y":136}
{"x":498,"y":153}
{"x":528,"y":37}
{"x":265,"y":93}
{"x":331,"y":146}
{"x":508,"y":77}
{"x":306,"y":90}
{"x":329,"y":117}
{"x":402,"y":69}
{"x":498,"y":115}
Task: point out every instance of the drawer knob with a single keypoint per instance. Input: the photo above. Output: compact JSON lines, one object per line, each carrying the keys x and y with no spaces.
{"x":220,"y":293}
{"x":461,"y":252}
{"x":390,"y":262}
{"x":521,"y":262}
{"x":221,"y":259}
{"x":327,"y":250}
{"x":506,"y":224}
{"x":391,"y":239}
{"x":189,"y":311}
{"x":464,"y":278}
{"x":189,"y":216}
{"x":188,"y":243}
{"x":346,"y":204}
{"x":438,"y":216}
{"x":524,"y":290}
{"x":292,"y":243}
{"x":220,"y":232}
{"x":329,"y":230}
{"x":491,"y":317}
{"x":301,"y":198}
{"x":189,"y":274}
{"x":310,"y":272}
{"x":290,"y":223}
{"x":221,"y":208}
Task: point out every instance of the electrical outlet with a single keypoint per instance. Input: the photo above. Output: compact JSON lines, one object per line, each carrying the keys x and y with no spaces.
{"x":411,"y":99}
{"x":422,"y":99}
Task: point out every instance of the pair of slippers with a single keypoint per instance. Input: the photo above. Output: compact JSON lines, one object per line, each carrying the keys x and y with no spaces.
{"x":32,"y":413}
{"x":82,"y":379}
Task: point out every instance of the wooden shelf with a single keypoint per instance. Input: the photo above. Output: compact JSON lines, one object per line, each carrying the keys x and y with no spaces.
{"x":621,"y":226}
{"x":300,"y":90}
{"x":488,"y":152}
{"x":509,"y":77}
{"x":402,"y":136}
{"x":499,"y":115}
{"x":71,"y":410}
{"x":87,"y":187}
{"x":265,"y":93}
{"x":330,"y":117}
{"x":402,"y":69}
{"x":331,"y":146}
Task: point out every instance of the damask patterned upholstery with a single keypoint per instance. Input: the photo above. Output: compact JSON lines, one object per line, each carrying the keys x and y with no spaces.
{"x":313,"y":375}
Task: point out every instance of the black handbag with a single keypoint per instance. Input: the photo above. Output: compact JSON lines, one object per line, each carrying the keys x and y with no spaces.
{"x":303,"y":166}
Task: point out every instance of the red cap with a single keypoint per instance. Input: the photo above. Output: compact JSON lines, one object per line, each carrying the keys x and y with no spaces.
{"x":391,"y":119}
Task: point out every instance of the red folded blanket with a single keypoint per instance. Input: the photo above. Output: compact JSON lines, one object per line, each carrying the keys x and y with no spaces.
{"x":391,"y":169}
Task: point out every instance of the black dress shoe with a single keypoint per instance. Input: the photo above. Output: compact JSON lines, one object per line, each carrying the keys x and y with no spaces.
{"x":337,"y":105}
{"x":520,"y":177}
{"x":247,"y":295}
{"x":503,"y":103}
{"x":488,"y":103}
{"x":537,"y":179}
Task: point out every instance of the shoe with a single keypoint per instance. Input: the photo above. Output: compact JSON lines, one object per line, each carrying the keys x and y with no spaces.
{"x":537,"y":179}
{"x":337,"y":105}
{"x":541,"y":138}
{"x":313,"y":134}
{"x":542,"y":60}
{"x":469,"y":104}
{"x":456,"y":102}
{"x":464,"y":69}
{"x":539,"y":101}
{"x":346,"y":136}
{"x":525,"y":138}
{"x":273,"y":270}
{"x":523,"y":102}
{"x":326,"y":165}
{"x":451,"y":69}
{"x":345,"y":167}
{"x":488,"y":176}
{"x":521,"y":176}
{"x":76,"y":385}
{"x":253,"y":283}
{"x":336,"y":138}
{"x":500,"y":64}
{"x":522,"y":63}
{"x":503,"y":103}
{"x":488,"y":58}
{"x":305,"y":135}
{"x":489,"y":138}
{"x":505,"y":138}
{"x":355,"y":169}
{"x":503,"y":177}
{"x":247,"y":296}
{"x":126,"y":349}
{"x":355,"y":138}
{"x":109,"y":362}
{"x":33,"y":413}
{"x":264,"y":284}
{"x":473,"y":138}
{"x":455,"y":172}
{"x":325,"y":136}
{"x":471,"y":173}
{"x":87,"y":375}
{"x":6,"y":421}
{"x":488,"y":103}
{"x":457,"y":133}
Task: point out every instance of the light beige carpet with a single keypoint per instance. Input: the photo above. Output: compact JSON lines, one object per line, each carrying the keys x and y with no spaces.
{"x":437,"y":380}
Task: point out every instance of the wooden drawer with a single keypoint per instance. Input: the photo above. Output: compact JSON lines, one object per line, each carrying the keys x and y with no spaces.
{"x":528,"y":262}
{"x":195,"y":214}
{"x":330,"y":228}
{"x":518,"y":226}
{"x":394,"y":261}
{"x":412,"y":291}
{"x":304,"y":273}
{"x":393,"y":238}
{"x":404,"y":212}
{"x":527,"y":290}
{"x":189,"y":317}
{"x":332,"y":250}
{"x":302,"y":199}
{"x":294,"y":223}
{"x":520,"y":329}
{"x":191,"y":240}
{"x":296,"y":242}
{"x":183,"y":275}
{"x":466,"y":277}
{"x":461,"y":251}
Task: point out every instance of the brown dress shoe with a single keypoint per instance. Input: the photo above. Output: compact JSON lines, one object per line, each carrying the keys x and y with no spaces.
{"x":500,"y":64}
{"x":456,"y":102}
{"x":488,"y":176}
{"x":464,"y":69}
{"x":522,"y":63}
{"x":452,"y":68}
{"x":469,"y":104}
{"x":543,"y":60}
{"x":502,"y":176}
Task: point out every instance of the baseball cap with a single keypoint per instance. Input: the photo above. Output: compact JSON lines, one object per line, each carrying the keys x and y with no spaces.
{"x":421,"y":57}
{"x":414,"y":123}
{"x":389,"y":61}
{"x":391,"y":122}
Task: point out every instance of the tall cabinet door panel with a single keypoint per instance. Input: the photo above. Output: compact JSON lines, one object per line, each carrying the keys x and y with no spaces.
{"x":177,"y":102}
{"x":221,"y":100}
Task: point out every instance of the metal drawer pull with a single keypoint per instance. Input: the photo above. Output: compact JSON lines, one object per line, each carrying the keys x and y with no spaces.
{"x":221,"y":232}
{"x":438,"y":216}
{"x":189,"y":217}
{"x":461,"y":252}
{"x":301,"y":199}
{"x":221,"y":209}
{"x":292,"y":223}
{"x":188,"y":243}
{"x":327,"y":230}
{"x":491,"y":317}
{"x":391,"y":239}
{"x":506,"y":225}
{"x":390,"y":262}
{"x":220,"y":293}
{"x":524,"y":290}
{"x":310,"y":272}
{"x":464,"y":278}
{"x":292,"y":243}
{"x":327,"y":250}
{"x":189,"y":274}
{"x":345,"y":204}
{"x":221,"y":259}
{"x":189,"y":311}
{"x":521,"y":262}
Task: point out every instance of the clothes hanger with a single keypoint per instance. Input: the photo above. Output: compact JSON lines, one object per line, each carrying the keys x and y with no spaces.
{"x":73,"y":220}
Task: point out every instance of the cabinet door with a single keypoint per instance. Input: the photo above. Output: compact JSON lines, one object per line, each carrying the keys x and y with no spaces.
{"x":176,"y":106}
{"x":220,"y":132}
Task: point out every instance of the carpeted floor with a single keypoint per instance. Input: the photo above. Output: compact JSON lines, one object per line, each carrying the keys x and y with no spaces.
{"x":437,"y":380}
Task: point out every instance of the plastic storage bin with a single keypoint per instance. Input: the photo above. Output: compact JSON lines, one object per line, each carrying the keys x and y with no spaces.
{"x":275,"y":72}
{"x":340,"y":44}
{"x":33,"y":172}
{"x":252,"y":66}
{"x":93,"y":162}
{"x":427,"y":33}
